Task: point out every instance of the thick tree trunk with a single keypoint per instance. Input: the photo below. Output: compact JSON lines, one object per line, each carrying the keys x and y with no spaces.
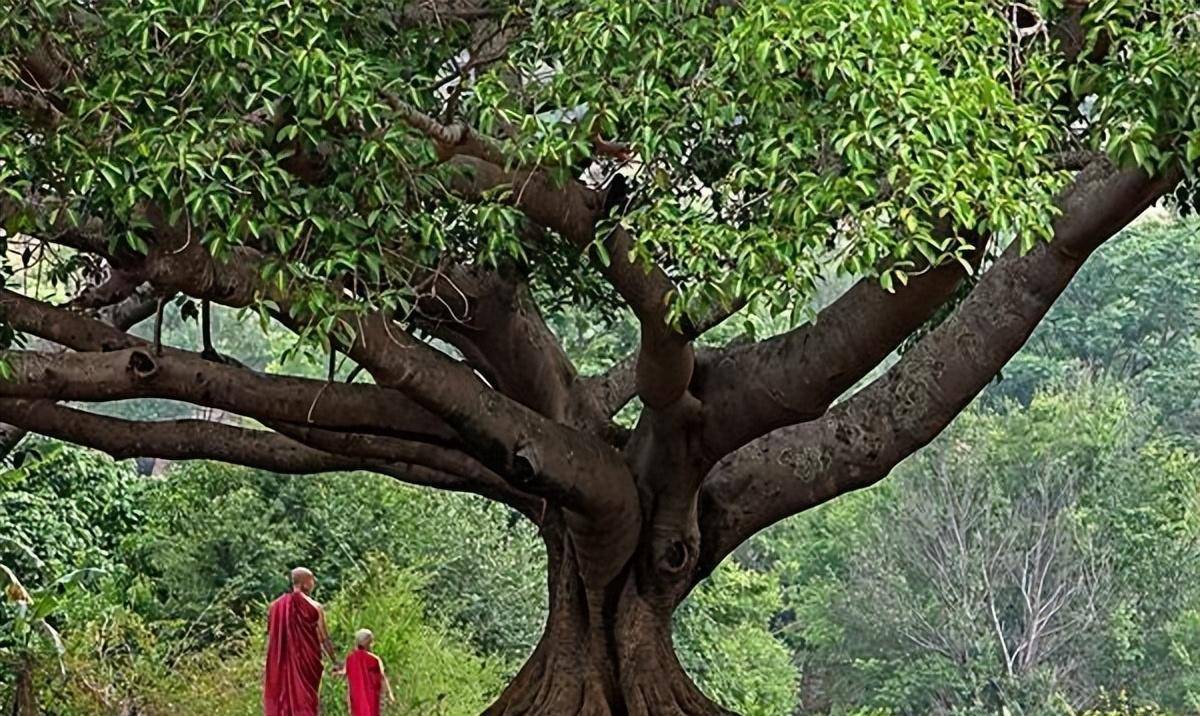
{"x":608,"y":653}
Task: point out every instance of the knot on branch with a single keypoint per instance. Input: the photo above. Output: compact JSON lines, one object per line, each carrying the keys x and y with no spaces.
{"x":142,"y":365}
{"x":526,"y":464}
{"x":675,"y":556}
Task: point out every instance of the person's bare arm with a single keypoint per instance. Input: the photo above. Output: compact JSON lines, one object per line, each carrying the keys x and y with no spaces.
{"x":326,"y":642}
{"x":387,"y":685}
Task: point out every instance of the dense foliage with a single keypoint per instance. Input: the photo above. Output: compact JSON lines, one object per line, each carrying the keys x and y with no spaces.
{"x":765,"y":131}
{"x":1132,"y":317}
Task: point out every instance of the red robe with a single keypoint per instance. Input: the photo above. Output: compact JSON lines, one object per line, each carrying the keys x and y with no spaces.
{"x":365,"y":681}
{"x":292,"y":679}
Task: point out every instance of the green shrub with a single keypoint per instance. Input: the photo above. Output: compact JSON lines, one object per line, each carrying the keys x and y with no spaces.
{"x":724,"y":642}
{"x":1120,"y":704}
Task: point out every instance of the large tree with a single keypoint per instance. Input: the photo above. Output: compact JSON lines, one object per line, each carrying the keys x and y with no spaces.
{"x":406,"y":183}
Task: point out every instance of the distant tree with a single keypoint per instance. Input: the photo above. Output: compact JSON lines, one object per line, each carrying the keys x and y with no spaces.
{"x":375,"y":174}
{"x":216,"y":541}
{"x":1015,"y":562}
{"x":726,"y":642}
{"x":1133,"y":314}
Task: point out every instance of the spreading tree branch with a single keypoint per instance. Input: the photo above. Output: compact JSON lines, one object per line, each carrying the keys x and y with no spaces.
{"x":537,"y":454}
{"x":10,"y":435}
{"x":124,"y":315}
{"x":38,"y":109}
{"x":327,"y":417}
{"x":200,"y":440}
{"x":860,"y":440}
{"x":178,"y":375}
{"x":493,"y":319}
{"x":73,"y":329}
{"x":795,"y":377}
{"x":615,"y":387}
{"x":572,"y":210}
{"x":665,"y":358}
{"x":439,"y":12}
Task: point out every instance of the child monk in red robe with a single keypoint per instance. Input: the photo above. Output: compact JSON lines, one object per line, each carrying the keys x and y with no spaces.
{"x":296,"y":637}
{"x":365,"y":678}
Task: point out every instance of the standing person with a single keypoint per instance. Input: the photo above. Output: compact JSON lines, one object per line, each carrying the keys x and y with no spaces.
{"x":365,"y":678}
{"x":296,"y":638}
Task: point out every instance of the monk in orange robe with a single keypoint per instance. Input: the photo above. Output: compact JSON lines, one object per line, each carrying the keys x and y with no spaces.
{"x":365,"y":678}
{"x":296,"y":638}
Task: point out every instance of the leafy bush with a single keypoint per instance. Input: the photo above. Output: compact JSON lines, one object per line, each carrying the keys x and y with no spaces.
{"x":724,"y":642}
{"x":424,"y":657}
{"x":1120,"y":704}
{"x":69,"y":507}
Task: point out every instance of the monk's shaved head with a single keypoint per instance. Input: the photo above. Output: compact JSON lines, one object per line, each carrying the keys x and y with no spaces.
{"x":364,"y":638}
{"x":303,"y":579}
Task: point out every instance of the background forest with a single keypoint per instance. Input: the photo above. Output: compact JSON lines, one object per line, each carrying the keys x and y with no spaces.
{"x":1041,"y":557}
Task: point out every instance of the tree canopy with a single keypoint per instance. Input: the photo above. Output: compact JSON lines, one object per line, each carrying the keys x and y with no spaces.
{"x":334,"y":136}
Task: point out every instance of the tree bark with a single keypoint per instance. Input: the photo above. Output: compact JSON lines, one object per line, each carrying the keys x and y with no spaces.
{"x":9,"y":437}
{"x":607,"y":652}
